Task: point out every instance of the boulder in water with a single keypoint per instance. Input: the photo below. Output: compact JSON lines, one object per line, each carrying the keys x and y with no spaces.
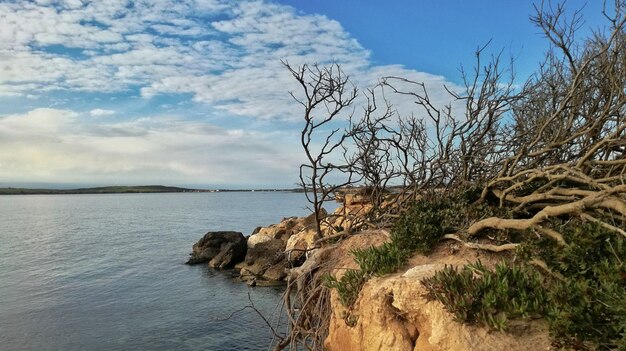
{"x":221,"y":249}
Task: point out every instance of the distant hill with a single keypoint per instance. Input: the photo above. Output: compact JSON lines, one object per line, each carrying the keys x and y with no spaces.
{"x":99,"y":190}
{"x":128,"y":190}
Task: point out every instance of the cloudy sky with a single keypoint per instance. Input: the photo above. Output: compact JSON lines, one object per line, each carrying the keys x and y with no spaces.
{"x":193,"y":92}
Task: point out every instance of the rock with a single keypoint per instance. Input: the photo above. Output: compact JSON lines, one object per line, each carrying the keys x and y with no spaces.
{"x":230,"y":254}
{"x":392,"y":313}
{"x":260,"y":237}
{"x":355,"y":198}
{"x":348,"y":217}
{"x":262,"y":282}
{"x":282,"y":231}
{"x":266,"y":251}
{"x":276,"y":273}
{"x":222,"y":249}
{"x":265,"y":261}
{"x":298,"y":244}
{"x":263,"y":255}
{"x":309,"y":221}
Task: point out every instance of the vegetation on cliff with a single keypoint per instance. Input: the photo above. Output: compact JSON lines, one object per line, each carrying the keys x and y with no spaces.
{"x":582,"y":296}
{"x":534,"y":172}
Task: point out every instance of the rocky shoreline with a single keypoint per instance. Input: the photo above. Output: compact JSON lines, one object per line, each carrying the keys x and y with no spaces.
{"x":265,"y":257}
{"x":391,"y":312}
{"x":269,"y":254}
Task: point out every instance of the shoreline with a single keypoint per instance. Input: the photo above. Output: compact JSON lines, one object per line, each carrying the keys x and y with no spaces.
{"x":150,"y":189}
{"x":391,"y":311}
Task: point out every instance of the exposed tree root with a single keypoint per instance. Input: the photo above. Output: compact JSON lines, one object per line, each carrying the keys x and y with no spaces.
{"x":486,"y":247}
{"x":598,"y":199}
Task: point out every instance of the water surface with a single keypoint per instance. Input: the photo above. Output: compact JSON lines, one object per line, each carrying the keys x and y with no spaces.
{"x":106,"y":272}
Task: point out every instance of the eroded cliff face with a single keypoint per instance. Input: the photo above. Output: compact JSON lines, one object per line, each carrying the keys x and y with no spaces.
{"x":392,"y":313}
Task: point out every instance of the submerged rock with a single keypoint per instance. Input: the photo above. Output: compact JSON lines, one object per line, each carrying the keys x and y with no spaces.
{"x":221,"y":249}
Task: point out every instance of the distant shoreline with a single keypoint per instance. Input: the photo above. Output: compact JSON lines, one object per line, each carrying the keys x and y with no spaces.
{"x":144,"y":189}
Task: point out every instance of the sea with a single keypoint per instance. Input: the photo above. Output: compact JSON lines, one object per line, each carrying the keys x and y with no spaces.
{"x":107,"y":272}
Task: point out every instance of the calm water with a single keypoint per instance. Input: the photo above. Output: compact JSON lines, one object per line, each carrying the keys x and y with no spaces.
{"x":106,"y":272}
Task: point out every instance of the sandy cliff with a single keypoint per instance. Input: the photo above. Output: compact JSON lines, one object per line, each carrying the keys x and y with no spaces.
{"x":392,"y":312}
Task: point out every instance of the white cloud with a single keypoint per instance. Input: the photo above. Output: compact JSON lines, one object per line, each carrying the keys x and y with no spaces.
{"x":153,"y":48}
{"x":171,"y":46}
{"x":98,"y":112}
{"x":54,"y":145}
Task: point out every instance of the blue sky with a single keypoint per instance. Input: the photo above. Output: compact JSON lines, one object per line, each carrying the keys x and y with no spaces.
{"x":193,"y":92}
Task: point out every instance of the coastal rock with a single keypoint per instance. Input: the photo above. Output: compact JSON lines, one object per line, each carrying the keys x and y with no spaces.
{"x":351,"y":199}
{"x":276,"y":272}
{"x":221,"y":249}
{"x":392,"y":313}
{"x":298,"y":245}
{"x":282,"y":231}
{"x":261,"y":257}
{"x":267,"y":260}
{"x":309,"y":221}
{"x":326,"y":259}
{"x":266,"y":252}
{"x":349,"y":217}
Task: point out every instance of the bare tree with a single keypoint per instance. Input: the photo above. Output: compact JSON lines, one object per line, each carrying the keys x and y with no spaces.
{"x":459,"y":149}
{"x":553,"y":149}
{"x":568,"y":141}
{"x":373,"y":137}
{"x":326,"y":92}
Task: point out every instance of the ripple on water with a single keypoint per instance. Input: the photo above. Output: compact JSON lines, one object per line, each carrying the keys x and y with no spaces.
{"x":106,"y":272}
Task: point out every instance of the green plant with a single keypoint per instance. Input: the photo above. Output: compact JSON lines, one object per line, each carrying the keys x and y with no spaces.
{"x":476,"y":295}
{"x":417,"y":230}
{"x":589,"y":312}
{"x":381,"y":260}
{"x":372,"y":261}
{"x":423,"y":225}
{"x":348,"y":286}
{"x":585,"y":306}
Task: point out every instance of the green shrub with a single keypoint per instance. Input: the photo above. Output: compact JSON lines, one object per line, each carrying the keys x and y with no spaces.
{"x":372,"y":261}
{"x":349,"y":286}
{"x":476,"y":295}
{"x":381,"y":260}
{"x":585,"y":308}
{"x":423,"y":225}
{"x":589,"y":312}
{"x":417,"y":230}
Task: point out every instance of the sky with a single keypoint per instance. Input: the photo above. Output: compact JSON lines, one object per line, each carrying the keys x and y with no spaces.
{"x":193,"y":92}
